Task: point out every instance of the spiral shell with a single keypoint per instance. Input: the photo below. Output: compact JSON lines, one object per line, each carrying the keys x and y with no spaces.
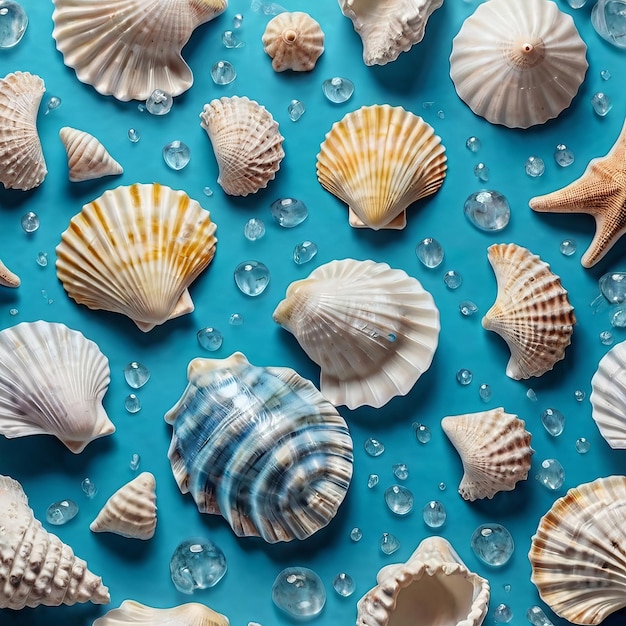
{"x":189,"y":614}
{"x":87,"y":158}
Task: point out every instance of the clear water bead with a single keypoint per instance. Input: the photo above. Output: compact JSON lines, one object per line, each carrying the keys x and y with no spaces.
{"x":132,"y":403}
{"x":89,"y":488}
{"x":135,"y":462}
{"x":534,"y":166}
{"x":434,"y":514}
{"x":563,"y":156}
{"x":13,"y":23}
{"x":373,"y":447}
{"x":502,"y":614}
{"x":295,"y":110}
{"x":133,"y":135}
{"x":237,"y":20}
{"x":338,"y":89}
{"x":30,"y":222}
{"x":441,"y":114}
{"x":13,"y":312}
{"x":442,"y":486}
{"x":606,"y":338}
{"x":136,"y":374}
{"x":567,"y":247}
{"x":176,"y":154}
{"x":613,"y":287}
{"x":464,"y":376}
{"x":537,"y":617}
{"x":289,"y":212}
{"x":605,"y":75}
{"x":577,"y":4}
{"x":344,"y":585}
{"x":452,"y":279}
{"x":481,"y":171}
{"x":531,"y":394}
{"x":356,"y":534}
{"x":230,"y":40}
{"x":618,"y":319}
{"x":236,"y":319}
{"x":492,"y":544}
{"x":601,"y":103}
{"x":252,"y":277}
{"x":389,"y":543}
{"x":266,"y":7}
{"x":582,"y":445}
{"x":485,"y":393}
{"x":473,"y":144}
{"x":159,"y":102}
{"x":400,"y":471}
{"x":304,"y":252}
{"x":422,"y":432}
{"x":53,"y":103}
{"x":207,"y":191}
{"x":42,"y":259}
{"x":429,"y":252}
{"x":300,"y":592}
{"x":223,"y":73}
{"x":372,"y":481}
{"x":551,"y":474}
{"x":487,"y":210}
{"x":59,"y":513}
{"x":553,"y":421}
{"x":197,"y":564}
{"x":579,"y":395}
{"x":254,"y":229}
{"x":468,"y":308}
{"x":210,"y":338}
{"x":608,"y":17}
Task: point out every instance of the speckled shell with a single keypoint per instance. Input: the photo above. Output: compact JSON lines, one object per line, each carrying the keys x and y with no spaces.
{"x":87,"y":158}
{"x":135,"y":251}
{"x":129,"y":48}
{"x":577,"y":554}
{"x":379,"y":160}
{"x":261,"y":447}
{"x":535,"y":56}
{"x":189,"y":614}
{"x":7,"y":277}
{"x":532,"y":312}
{"x":52,"y":381}
{"x":246,"y":141}
{"x":373,"y":330}
{"x":23,"y":163}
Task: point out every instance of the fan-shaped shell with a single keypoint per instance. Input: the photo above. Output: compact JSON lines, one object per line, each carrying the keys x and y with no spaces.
{"x":189,"y":614}
{"x":135,"y":250}
{"x":87,"y":158}
{"x":23,"y":163}
{"x":129,"y":48}
{"x":535,"y":56}
{"x":379,"y":160}
{"x":261,"y":447}
{"x":532,"y":312}
{"x":246,"y":141}
{"x":52,"y":381}
{"x":577,"y":555}
{"x":373,"y":330}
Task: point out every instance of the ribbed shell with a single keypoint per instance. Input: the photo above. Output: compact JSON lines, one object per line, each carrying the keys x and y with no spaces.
{"x":23,"y":163}
{"x":535,"y":56}
{"x":129,"y":48}
{"x":135,"y":251}
{"x":373,"y":330}
{"x":379,"y":160}
{"x":578,"y":554}
{"x":87,"y":158}
{"x":532,"y":312}
{"x":246,"y":141}
{"x":52,"y":381}
{"x":261,"y":447}
{"x":7,"y":277}
{"x":190,"y":614}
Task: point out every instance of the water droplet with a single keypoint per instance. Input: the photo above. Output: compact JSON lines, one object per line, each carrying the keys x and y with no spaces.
{"x":344,"y":584}
{"x":464,"y":377}
{"x":452,"y":279}
{"x":44,"y":294}
{"x":537,"y":617}
{"x":613,"y":287}
{"x":89,"y":488}
{"x":442,"y":486}
{"x":579,"y":395}
{"x":372,"y":481}
{"x":13,"y":312}
{"x":582,"y":445}
{"x":473,"y":144}
{"x":141,"y":107}
{"x":563,"y":156}
{"x":13,"y":23}
{"x":159,"y":102}
{"x":601,"y":103}
{"x":468,"y":308}
{"x":295,"y":110}
{"x":136,"y":374}
{"x":304,"y":252}
{"x":400,"y":471}
{"x":59,"y":513}
{"x":441,"y":114}
{"x":338,"y":89}
{"x":373,"y":447}
{"x":577,"y":4}
{"x":507,"y":588}
{"x":427,"y":104}
{"x":30,"y":222}
{"x":289,"y":212}
{"x":502,"y":614}
{"x":481,"y":171}
{"x":618,"y":318}
{"x":223,"y":73}
{"x":399,"y":499}
{"x":567,"y":247}
{"x":132,"y":403}
{"x":53,"y":103}
{"x":176,"y":154}
{"x":133,"y":135}
{"x":207,"y":191}
{"x":252,"y":277}
{"x":429,"y":252}
{"x":605,"y":75}
{"x":230,"y":40}
{"x":487,"y":210}
{"x":434,"y":514}
{"x":553,"y":421}
{"x":531,"y":395}
{"x":254,"y":229}
{"x":422,"y":432}
{"x":606,"y":338}
{"x":210,"y":338}
{"x":135,"y":461}
{"x":42,"y":259}
{"x":551,"y":474}
{"x":484,"y":391}
{"x":534,"y":166}
{"x":300,"y":592}
{"x":236,"y":319}
{"x":356,"y":534}
{"x":197,"y":564}
{"x":389,"y":544}
{"x":492,"y":544}
{"x":237,"y":20}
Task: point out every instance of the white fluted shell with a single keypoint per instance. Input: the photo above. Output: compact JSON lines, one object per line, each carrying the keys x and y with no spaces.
{"x":7,"y":277}
{"x":135,"y":251}
{"x":535,"y":58}
{"x":261,"y":447}
{"x":87,"y":158}
{"x":373,"y":330}
{"x":129,"y":48}
{"x":190,"y":614}
{"x":52,"y":381}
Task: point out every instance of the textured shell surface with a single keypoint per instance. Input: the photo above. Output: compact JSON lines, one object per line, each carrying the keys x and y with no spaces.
{"x":536,"y":56}
{"x":246,"y":141}
{"x":135,"y":251}
{"x":87,"y":158}
{"x":532,"y":311}
{"x":379,"y":160}
{"x":577,"y":553}
{"x":36,"y":566}
{"x":434,"y":586}
{"x":260,"y":446}
{"x":52,"y":381}
{"x":189,"y":614}
{"x":129,"y":48}
{"x":21,"y":155}
{"x":494,"y":447}
{"x":8,"y":278}
{"x":372,"y":329}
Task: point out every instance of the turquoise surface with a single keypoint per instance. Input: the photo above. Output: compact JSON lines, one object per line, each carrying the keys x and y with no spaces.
{"x":419,"y":81}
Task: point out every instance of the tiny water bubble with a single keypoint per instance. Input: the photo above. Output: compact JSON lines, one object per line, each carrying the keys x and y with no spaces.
{"x":481,"y":171}
{"x":567,"y":247}
{"x":176,"y":154}
{"x":141,"y":107}
{"x":338,"y":89}
{"x":563,"y":156}
{"x":534,"y":166}
{"x":133,"y":135}
{"x":487,"y":210}
{"x":400,"y":471}
{"x":579,"y":395}
{"x":159,"y":102}
{"x":531,"y":394}
{"x":452,"y":279}
{"x":502,"y":614}
{"x":207,"y":191}
{"x":356,"y":534}
{"x":613,"y":287}
{"x":44,"y":294}
{"x":230,"y":40}
{"x":606,"y":338}
{"x":132,"y":403}
{"x":210,"y":338}
{"x":537,"y":617}
{"x":618,"y":318}
{"x":299,"y":592}
{"x":422,"y":432}
{"x":237,"y":20}
{"x":577,"y":4}
{"x":473,"y":144}
{"x":295,"y":110}
{"x":434,"y":514}
{"x":89,"y":488}
{"x":42,"y":259}
{"x":252,"y":277}
{"x":601,"y":103}
{"x":468,"y":308}
{"x":429,"y":252}
{"x":399,"y":499}
{"x":304,"y":252}
{"x":236,"y":319}
{"x":13,"y":312}
{"x":485,"y":393}
{"x":442,"y":486}
{"x":441,"y":114}
{"x":389,"y":543}
{"x":582,"y":445}
{"x":372,"y":481}
{"x":59,"y":513}
{"x":135,"y":462}
{"x":464,"y":376}
{"x":373,"y":447}
{"x":289,"y":212}
{"x":53,"y":103}
{"x":553,"y":421}
{"x":30,"y":222}
{"x":551,"y":474}
{"x":223,"y":73}
{"x":254,"y":229}
{"x":492,"y":544}
{"x":605,"y":75}
{"x":136,"y":374}
{"x":344,"y":585}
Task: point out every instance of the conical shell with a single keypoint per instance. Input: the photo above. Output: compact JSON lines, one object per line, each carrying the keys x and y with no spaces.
{"x":87,"y":158}
{"x":7,"y":277}
{"x":261,"y":447}
{"x":135,"y":251}
{"x":36,"y":567}
{"x":532,"y":312}
{"x":189,"y":614}
{"x":52,"y":381}
{"x":131,"y":510}
{"x":246,"y":141}
{"x":379,"y":160}
{"x":494,"y":447}
{"x":373,"y":330}
{"x":578,"y":553}
{"x":21,"y":156}
{"x":129,"y":48}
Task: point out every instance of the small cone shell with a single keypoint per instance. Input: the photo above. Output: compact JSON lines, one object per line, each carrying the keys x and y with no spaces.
{"x":131,"y":613}
{"x":87,"y":158}
{"x":7,"y":277}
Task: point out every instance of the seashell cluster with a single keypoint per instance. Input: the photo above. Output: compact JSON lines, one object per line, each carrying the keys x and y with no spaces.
{"x":87,"y":158}
{"x":7,"y":277}
{"x":190,"y":614}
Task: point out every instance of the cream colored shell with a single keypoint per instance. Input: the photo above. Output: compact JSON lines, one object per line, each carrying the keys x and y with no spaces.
{"x":87,"y":158}
{"x":7,"y":277}
{"x":190,"y":614}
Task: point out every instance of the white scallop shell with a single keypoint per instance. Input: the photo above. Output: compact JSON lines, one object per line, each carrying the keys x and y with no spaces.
{"x":189,"y":614}
{"x":87,"y":158}
{"x":7,"y":277}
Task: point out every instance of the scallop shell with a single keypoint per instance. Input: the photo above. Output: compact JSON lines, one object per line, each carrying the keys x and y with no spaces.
{"x":129,"y":48}
{"x":379,"y":160}
{"x":7,"y":277}
{"x":52,"y":381}
{"x":532,"y":312}
{"x":494,"y":447}
{"x":373,"y":330}
{"x":190,"y":614}
{"x":260,"y":446}
{"x":36,"y":567}
{"x":87,"y":158}
{"x":246,"y":141}
{"x":577,"y":554}
{"x":535,"y":56}
{"x":23,"y":163}
{"x":433,"y":584}
{"x":135,"y":250}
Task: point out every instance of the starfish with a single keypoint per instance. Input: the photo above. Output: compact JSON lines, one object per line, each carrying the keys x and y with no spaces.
{"x":7,"y":277}
{"x":601,"y":192}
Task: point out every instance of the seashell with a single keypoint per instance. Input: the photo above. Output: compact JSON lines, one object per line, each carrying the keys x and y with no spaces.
{"x":532,"y":312}
{"x":7,"y":277}
{"x":494,"y":447}
{"x":21,"y":155}
{"x":52,"y":381}
{"x":379,"y":160}
{"x":433,"y":584}
{"x":246,"y":141}
{"x":294,"y":41}
{"x":87,"y":158}
{"x":135,"y":251}
{"x":129,"y":48}
{"x":189,"y":614}
{"x":373,"y":330}
{"x":36,"y":567}
{"x":388,"y":27}
{"x":131,"y":510}
{"x":577,"y":554}
{"x":536,"y":60}
{"x":260,"y":446}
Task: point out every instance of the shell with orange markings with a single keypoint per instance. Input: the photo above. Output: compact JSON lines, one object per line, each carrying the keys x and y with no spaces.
{"x":190,"y":614}
{"x":87,"y":158}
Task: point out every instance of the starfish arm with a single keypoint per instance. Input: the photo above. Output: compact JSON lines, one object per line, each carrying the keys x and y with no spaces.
{"x":610,"y":226}
{"x":7,"y":277}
